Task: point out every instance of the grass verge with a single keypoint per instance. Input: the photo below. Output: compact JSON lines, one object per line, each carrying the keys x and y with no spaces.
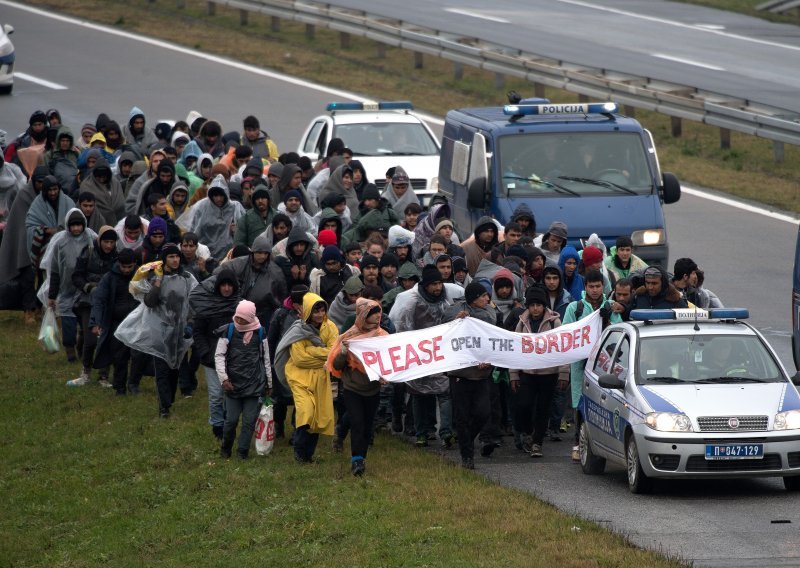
{"x":88,"y":478}
{"x":746,"y":170}
{"x":748,"y":8}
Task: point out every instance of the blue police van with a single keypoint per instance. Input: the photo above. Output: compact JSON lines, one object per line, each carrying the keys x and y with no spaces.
{"x":581,"y":163}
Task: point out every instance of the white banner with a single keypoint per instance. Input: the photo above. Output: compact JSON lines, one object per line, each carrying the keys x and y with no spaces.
{"x":466,"y":342}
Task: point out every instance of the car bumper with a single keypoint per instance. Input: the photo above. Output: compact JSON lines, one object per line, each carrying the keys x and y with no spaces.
{"x":669,"y":454}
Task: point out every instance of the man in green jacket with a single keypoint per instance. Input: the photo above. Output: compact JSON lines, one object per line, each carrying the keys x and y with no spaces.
{"x":256,"y":220}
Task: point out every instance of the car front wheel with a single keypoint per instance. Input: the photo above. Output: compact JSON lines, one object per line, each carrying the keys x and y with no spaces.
{"x":590,"y":463}
{"x":638,"y":482}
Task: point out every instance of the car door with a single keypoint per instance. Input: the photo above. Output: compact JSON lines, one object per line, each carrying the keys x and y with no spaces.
{"x":613,"y":400}
{"x":311,"y":141}
{"x":596,"y":413}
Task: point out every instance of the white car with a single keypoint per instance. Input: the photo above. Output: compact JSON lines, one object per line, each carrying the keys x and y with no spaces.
{"x":381,"y":136}
{"x":7,"y":56}
{"x":679,"y":394}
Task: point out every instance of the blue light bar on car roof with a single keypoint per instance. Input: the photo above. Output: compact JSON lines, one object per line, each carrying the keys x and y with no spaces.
{"x":690,"y":314}
{"x":566,"y":108}
{"x":382,"y":105}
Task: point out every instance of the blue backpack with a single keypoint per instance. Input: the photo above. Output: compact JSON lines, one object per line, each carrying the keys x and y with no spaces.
{"x":261,"y":333}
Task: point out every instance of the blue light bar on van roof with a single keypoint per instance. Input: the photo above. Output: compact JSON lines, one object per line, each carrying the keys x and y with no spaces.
{"x":382,"y":105}
{"x":690,"y":314}
{"x":566,"y":108}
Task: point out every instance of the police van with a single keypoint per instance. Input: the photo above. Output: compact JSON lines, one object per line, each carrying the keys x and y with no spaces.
{"x":584,"y":164}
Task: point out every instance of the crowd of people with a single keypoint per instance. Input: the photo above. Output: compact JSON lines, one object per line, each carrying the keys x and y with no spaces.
{"x":169,"y":249}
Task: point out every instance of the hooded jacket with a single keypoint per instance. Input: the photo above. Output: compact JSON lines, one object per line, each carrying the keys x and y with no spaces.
{"x":576,"y":286}
{"x":474,"y":253}
{"x":305,"y":262}
{"x":375,"y":219}
{"x":562,"y":296}
{"x":111,"y":304}
{"x":64,"y":250}
{"x":252,"y":223}
{"x":108,"y":198}
{"x":141,"y":141}
{"x":210,"y":311}
{"x":90,"y":268}
{"x":522,"y":210}
{"x":336,"y":185}
{"x":212,"y":223}
{"x":63,"y":164}
{"x":277,"y":193}
{"x":400,"y":203}
{"x":42,"y":215}
{"x":14,"y":251}
{"x":668,"y":297}
{"x":550,"y":320}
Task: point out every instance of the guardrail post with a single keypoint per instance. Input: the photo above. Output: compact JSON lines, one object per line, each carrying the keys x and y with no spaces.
{"x":725,"y":138}
{"x":275,"y":24}
{"x":777,"y":151}
{"x":417,"y":60}
{"x":211,"y":8}
{"x":381,"y":49}
{"x":458,"y":70}
{"x":344,"y":40}
{"x":243,"y":17}
{"x":538,"y":91}
{"x":499,"y":81}
{"x":310,"y":31}
{"x":677,"y":126}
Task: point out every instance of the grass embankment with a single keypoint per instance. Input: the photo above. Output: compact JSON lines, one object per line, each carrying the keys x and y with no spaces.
{"x":748,"y":8}
{"x":746,"y":170}
{"x":88,"y":478}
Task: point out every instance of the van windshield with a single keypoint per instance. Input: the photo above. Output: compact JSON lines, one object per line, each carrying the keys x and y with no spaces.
{"x":579,"y":164}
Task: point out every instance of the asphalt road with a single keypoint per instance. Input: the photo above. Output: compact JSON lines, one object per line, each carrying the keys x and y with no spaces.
{"x":718,"y":51}
{"x":747,"y":258}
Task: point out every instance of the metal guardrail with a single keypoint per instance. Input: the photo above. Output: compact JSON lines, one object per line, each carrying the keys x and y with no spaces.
{"x":778,"y":6}
{"x":675,"y":100}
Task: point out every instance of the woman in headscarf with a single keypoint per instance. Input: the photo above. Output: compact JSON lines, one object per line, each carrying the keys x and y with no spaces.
{"x":361,"y":396}
{"x":300,"y":363}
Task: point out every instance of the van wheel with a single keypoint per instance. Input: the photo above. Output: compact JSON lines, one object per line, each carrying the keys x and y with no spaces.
{"x":638,"y":482}
{"x":590,"y":463}
{"x":791,"y":483}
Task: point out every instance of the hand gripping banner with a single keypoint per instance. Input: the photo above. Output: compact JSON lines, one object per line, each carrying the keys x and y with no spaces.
{"x":466,"y":342}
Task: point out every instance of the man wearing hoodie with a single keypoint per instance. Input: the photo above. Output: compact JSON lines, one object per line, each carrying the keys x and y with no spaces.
{"x":132,"y":201}
{"x":256,"y":220}
{"x":212,"y":304}
{"x":214,"y":219}
{"x":108,"y":197}
{"x":558,"y":298}
{"x":341,"y":183}
{"x":62,"y":160}
{"x":553,"y":241}
{"x":292,"y":207}
{"x":658,"y":293}
{"x":533,"y":388}
{"x":291,"y":179}
{"x":124,"y":174}
{"x":399,"y":192}
{"x":262,"y":145}
{"x":300,"y":259}
{"x":161,"y":183}
{"x":485,"y":239}
{"x":523,"y":216}
{"x":154,"y":240}
{"x":137,"y":135}
{"x":329,"y":280}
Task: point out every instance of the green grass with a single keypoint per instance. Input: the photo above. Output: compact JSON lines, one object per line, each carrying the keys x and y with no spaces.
{"x":748,"y":8}
{"x":89,"y":479}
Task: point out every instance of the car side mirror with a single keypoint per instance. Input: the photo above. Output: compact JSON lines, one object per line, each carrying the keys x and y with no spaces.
{"x":796,"y":379}
{"x":608,"y":381}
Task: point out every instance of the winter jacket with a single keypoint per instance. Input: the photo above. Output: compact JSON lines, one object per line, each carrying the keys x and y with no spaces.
{"x":474,"y":253}
{"x":550,"y":321}
{"x":92,"y":265}
{"x":211,"y":311}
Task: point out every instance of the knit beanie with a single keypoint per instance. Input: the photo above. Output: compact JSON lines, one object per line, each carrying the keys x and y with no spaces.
{"x":369,"y":260}
{"x":331,"y":252}
{"x":168,"y":249}
{"x":327,"y":238}
{"x":157,"y":224}
{"x":473,"y":291}
{"x":430,"y":274}
{"x":592,"y":255}
{"x":535,"y":295}
{"x":292,"y":193}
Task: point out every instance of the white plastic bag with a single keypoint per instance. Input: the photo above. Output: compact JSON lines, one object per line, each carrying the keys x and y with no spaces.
{"x":49,"y":333}
{"x":265,"y":430}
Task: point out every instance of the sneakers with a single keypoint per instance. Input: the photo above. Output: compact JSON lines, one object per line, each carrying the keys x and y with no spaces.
{"x":564,"y":427}
{"x":576,"y":454}
{"x":359,"y":467}
{"x":337,"y":444}
{"x":487,"y":449}
{"x":82,"y":380}
{"x":422,"y":441}
{"x":103,"y":382}
{"x":536,"y":451}
{"x":468,"y":463}
{"x":164,"y":413}
{"x":449,"y":441}
{"x":527,"y":444}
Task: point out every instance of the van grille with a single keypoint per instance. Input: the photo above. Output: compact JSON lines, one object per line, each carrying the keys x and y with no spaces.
{"x":794,"y":459}
{"x":723,"y":423}
{"x":419,"y":183}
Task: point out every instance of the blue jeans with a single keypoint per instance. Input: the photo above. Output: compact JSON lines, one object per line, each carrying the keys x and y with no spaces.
{"x":216,"y":409}
{"x":248,"y":408}
{"x":445,"y":414}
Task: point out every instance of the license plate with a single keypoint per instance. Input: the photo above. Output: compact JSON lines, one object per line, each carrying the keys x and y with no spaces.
{"x":734,"y":451}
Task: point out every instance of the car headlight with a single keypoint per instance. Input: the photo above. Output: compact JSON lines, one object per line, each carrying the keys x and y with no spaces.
{"x":789,"y":420}
{"x":648,"y":237}
{"x":668,"y":422}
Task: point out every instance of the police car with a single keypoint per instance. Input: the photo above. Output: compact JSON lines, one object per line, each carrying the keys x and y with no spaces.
{"x":381,"y":135}
{"x":688,"y":394}
{"x":7,"y":56}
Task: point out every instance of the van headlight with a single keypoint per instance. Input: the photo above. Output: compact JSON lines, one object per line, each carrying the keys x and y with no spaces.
{"x":789,"y":420}
{"x":668,"y":422}
{"x":648,"y":237}
{"x":435,"y":183}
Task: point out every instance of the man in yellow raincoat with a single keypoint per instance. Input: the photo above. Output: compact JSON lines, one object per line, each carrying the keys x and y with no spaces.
{"x":300,"y":363}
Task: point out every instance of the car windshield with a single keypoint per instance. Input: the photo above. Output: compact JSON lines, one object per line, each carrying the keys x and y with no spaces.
{"x":705,"y":359}
{"x":387,"y":139}
{"x":580,"y":164}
